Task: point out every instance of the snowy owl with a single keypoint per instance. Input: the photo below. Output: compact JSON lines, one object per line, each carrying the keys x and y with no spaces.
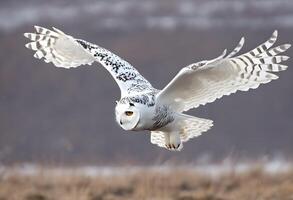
{"x":143,"y":107}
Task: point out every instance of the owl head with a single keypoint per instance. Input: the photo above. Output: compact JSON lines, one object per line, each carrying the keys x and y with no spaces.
{"x":127,"y":115}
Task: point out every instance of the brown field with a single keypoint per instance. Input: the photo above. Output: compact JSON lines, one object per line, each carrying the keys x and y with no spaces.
{"x":178,"y":183}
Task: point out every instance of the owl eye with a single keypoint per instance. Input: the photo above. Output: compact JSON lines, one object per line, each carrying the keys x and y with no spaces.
{"x":128,"y":113}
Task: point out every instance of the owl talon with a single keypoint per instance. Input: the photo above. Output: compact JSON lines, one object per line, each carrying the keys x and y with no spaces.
{"x":172,"y":146}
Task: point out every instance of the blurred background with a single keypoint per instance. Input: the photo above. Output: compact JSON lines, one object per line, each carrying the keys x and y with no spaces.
{"x":54,"y":115}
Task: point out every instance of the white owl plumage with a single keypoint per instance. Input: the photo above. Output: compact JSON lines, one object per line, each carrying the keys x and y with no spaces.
{"x":143,"y":107}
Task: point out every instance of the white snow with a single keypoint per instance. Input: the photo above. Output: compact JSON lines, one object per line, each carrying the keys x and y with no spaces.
{"x":275,"y":166}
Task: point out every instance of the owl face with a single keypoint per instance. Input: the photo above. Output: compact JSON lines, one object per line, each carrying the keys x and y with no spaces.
{"x":127,"y":115}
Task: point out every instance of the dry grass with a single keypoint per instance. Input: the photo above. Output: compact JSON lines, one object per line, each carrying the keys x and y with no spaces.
{"x":179,"y":185}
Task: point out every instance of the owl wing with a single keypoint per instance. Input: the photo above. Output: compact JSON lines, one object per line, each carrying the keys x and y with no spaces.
{"x":65,"y":51}
{"x":206,"y":81}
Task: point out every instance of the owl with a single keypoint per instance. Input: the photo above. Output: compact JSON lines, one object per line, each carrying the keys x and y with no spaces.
{"x":142,"y":107}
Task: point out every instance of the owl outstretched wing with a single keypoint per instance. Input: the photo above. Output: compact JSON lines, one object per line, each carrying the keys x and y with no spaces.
{"x":206,"y":81}
{"x":65,"y":51}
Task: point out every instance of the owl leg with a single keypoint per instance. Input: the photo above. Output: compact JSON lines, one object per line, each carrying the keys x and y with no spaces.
{"x":167,"y":140}
{"x":173,"y":141}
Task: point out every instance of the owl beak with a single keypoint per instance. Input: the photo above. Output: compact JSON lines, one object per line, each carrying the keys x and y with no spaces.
{"x":120,"y":122}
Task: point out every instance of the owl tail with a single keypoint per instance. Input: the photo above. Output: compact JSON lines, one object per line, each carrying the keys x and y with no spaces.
{"x":191,"y":126}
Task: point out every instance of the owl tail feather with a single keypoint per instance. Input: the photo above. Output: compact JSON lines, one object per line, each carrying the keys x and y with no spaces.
{"x":191,"y":126}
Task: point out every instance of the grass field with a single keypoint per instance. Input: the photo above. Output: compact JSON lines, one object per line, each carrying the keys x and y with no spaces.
{"x":178,"y":183}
